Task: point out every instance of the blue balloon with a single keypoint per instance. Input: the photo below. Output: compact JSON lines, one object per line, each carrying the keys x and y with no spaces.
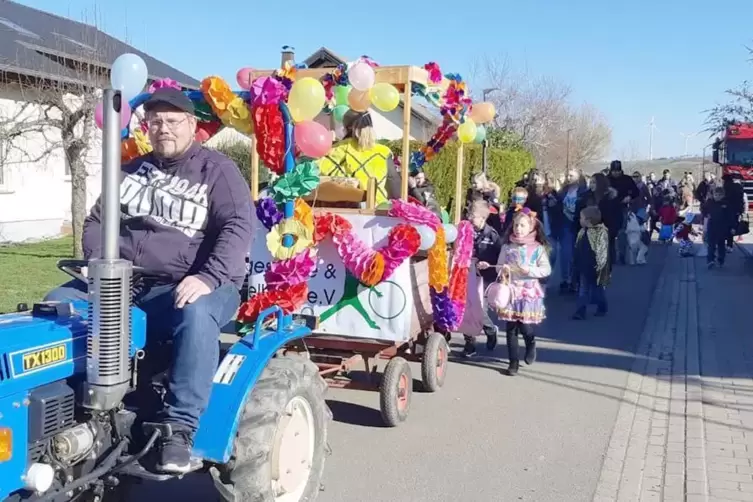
{"x":480,"y":134}
{"x":428,"y":237}
{"x":450,"y":232}
{"x":128,"y":75}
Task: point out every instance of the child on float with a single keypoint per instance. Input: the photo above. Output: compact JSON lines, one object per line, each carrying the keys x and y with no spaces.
{"x":591,"y":263}
{"x":523,"y":261}
{"x":487,"y":244}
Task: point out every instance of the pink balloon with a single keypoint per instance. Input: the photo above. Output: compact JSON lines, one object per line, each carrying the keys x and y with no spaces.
{"x":245,"y":78}
{"x":125,"y":115}
{"x":312,"y":139}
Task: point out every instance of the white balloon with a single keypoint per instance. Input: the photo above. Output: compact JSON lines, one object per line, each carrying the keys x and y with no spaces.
{"x":428,"y":237}
{"x":450,"y":232}
{"x":128,"y":75}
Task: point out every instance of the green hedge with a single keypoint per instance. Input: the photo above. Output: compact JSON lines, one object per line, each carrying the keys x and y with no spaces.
{"x":240,"y":153}
{"x":504,"y":167}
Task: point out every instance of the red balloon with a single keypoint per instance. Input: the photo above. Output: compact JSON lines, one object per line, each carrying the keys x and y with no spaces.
{"x":245,"y":78}
{"x":313,"y":139}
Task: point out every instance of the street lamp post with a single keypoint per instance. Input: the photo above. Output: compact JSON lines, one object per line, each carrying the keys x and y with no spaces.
{"x":485,"y":143}
{"x":567,"y":154}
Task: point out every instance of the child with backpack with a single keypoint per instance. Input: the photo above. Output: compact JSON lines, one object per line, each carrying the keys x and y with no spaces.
{"x":592,"y":264}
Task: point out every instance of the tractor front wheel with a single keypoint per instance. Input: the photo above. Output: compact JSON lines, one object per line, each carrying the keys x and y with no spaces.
{"x":281,"y":443}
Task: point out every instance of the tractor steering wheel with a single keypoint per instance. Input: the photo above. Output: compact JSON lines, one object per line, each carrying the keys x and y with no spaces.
{"x":73,"y":268}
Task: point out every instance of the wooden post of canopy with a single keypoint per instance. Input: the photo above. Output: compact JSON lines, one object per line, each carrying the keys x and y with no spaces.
{"x":254,"y":171}
{"x":459,"y":185}
{"x":405,"y":160}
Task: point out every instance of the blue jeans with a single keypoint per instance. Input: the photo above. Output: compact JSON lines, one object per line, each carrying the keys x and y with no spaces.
{"x":591,"y":293}
{"x":195,"y":332}
{"x":567,"y":246}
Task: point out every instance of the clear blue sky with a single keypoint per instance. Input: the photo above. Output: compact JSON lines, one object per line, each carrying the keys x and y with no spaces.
{"x":670,"y":59}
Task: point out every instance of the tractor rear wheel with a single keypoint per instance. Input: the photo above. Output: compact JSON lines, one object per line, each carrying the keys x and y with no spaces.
{"x":281,"y":444}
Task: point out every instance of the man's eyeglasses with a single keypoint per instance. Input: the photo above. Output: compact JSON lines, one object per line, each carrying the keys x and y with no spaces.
{"x":171,"y":123}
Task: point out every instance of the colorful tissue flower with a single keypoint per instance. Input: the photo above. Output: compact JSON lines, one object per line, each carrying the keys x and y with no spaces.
{"x":291,"y":272}
{"x":268,"y":213}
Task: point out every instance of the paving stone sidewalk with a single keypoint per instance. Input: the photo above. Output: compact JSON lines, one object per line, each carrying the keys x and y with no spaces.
{"x":684,"y":431}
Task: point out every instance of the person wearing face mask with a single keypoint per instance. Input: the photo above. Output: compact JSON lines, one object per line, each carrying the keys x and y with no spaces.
{"x":518,"y":201}
{"x":185,"y":213}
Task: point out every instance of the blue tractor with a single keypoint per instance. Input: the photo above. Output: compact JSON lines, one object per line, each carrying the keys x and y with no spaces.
{"x":78,"y":390}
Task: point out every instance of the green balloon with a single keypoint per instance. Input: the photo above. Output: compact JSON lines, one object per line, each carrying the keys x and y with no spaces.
{"x":339,"y":112}
{"x":341,"y":94}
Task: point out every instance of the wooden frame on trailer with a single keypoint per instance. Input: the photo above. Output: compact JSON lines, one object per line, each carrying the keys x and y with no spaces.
{"x":336,"y":355}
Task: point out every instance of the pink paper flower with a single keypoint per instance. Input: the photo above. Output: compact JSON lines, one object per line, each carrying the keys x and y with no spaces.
{"x":463,"y":245}
{"x":267,"y":91}
{"x":284,"y":274}
{"x":163,"y":83}
{"x":414,"y":213}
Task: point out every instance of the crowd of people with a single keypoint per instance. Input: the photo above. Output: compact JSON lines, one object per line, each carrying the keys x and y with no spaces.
{"x":585,"y":225}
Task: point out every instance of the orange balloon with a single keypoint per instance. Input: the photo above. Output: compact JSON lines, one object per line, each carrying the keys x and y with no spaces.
{"x":359,"y":100}
{"x":481,"y":113}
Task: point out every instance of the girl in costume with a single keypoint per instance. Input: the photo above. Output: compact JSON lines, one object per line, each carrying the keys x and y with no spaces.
{"x":524,"y":260}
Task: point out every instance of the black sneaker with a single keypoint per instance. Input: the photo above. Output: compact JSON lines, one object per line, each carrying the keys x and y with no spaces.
{"x":600,"y":313}
{"x":710,"y":265}
{"x":469,"y":350}
{"x":530,"y":356}
{"x":175,"y":452}
{"x":512,"y":369}
{"x":579,"y":315}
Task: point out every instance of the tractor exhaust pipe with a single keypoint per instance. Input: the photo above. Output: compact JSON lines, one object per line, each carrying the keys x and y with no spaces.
{"x":109,"y":331}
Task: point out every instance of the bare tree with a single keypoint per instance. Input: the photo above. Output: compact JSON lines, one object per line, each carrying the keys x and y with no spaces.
{"x":535,"y":110}
{"x":54,"y":116}
{"x":738,"y":109}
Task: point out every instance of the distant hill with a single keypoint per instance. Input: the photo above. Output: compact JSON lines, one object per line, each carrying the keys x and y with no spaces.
{"x":676,"y":166}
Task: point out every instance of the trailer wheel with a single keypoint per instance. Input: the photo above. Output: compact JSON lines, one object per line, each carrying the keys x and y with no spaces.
{"x":434,"y":363}
{"x":395,"y":392}
{"x":280,"y":447}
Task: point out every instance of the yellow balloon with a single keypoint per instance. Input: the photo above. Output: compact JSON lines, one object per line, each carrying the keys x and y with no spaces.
{"x":467,"y":131}
{"x":359,"y":100}
{"x":384,"y":96}
{"x":306,"y":99}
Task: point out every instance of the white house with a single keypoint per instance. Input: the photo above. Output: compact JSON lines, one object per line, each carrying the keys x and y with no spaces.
{"x":37,"y":49}
{"x":388,"y":125}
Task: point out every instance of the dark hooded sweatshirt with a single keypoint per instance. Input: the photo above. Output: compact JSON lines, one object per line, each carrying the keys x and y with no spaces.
{"x":185,"y":216}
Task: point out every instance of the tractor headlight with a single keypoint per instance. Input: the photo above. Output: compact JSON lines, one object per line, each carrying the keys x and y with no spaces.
{"x":6,"y":444}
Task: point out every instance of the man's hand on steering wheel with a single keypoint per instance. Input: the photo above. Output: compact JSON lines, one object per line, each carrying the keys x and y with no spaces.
{"x":189,"y":290}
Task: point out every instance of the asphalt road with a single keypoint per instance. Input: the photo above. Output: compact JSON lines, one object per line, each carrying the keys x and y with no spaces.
{"x":540,"y":436}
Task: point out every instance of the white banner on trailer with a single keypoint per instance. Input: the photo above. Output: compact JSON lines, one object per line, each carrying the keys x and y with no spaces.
{"x":344,"y":306}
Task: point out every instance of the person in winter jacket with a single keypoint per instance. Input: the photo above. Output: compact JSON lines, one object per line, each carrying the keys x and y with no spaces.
{"x":574,"y":188}
{"x":483,"y":189}
{"x":592,"y":263}
{"x":722,"y":218}
{"x":421,"y":189}
{"x":627,"y":191}
{"x":487,"y":244}
{"x":519,"y":200}
{"x":735,"y":197}
{"x":606,"y":198}
{"x":705,"y":188}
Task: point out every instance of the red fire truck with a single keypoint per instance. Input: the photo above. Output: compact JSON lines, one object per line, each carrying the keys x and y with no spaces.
{"x":734,"y":152}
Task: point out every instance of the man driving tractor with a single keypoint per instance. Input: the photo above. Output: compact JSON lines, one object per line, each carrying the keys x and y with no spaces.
{"x":186,"y":218}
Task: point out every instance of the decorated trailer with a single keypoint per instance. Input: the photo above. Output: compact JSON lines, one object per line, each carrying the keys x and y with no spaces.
{"x":372,"y":281}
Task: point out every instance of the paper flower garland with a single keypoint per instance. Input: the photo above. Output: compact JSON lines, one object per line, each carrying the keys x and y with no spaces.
{"x":368,"y":265}
{"x":302,"y":239}
{"x":228,"y":106}
{"x":300,"y":182}
{"x":289,"y":300}
{"x":268,"y":213}
{"x":270,"y":138}
{"x":292,"y":272}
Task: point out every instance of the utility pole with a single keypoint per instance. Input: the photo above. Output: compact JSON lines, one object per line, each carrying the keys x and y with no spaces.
{"x":567,"y":154}
{"x":485,"y":143}
{"x":651,"y":126}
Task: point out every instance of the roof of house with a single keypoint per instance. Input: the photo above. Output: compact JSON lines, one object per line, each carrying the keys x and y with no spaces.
{"x":35,"y":43}
{"x":326,"y":58}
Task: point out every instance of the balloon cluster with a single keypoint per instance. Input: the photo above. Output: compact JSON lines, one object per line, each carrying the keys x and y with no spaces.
{"x":354,"y":87}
